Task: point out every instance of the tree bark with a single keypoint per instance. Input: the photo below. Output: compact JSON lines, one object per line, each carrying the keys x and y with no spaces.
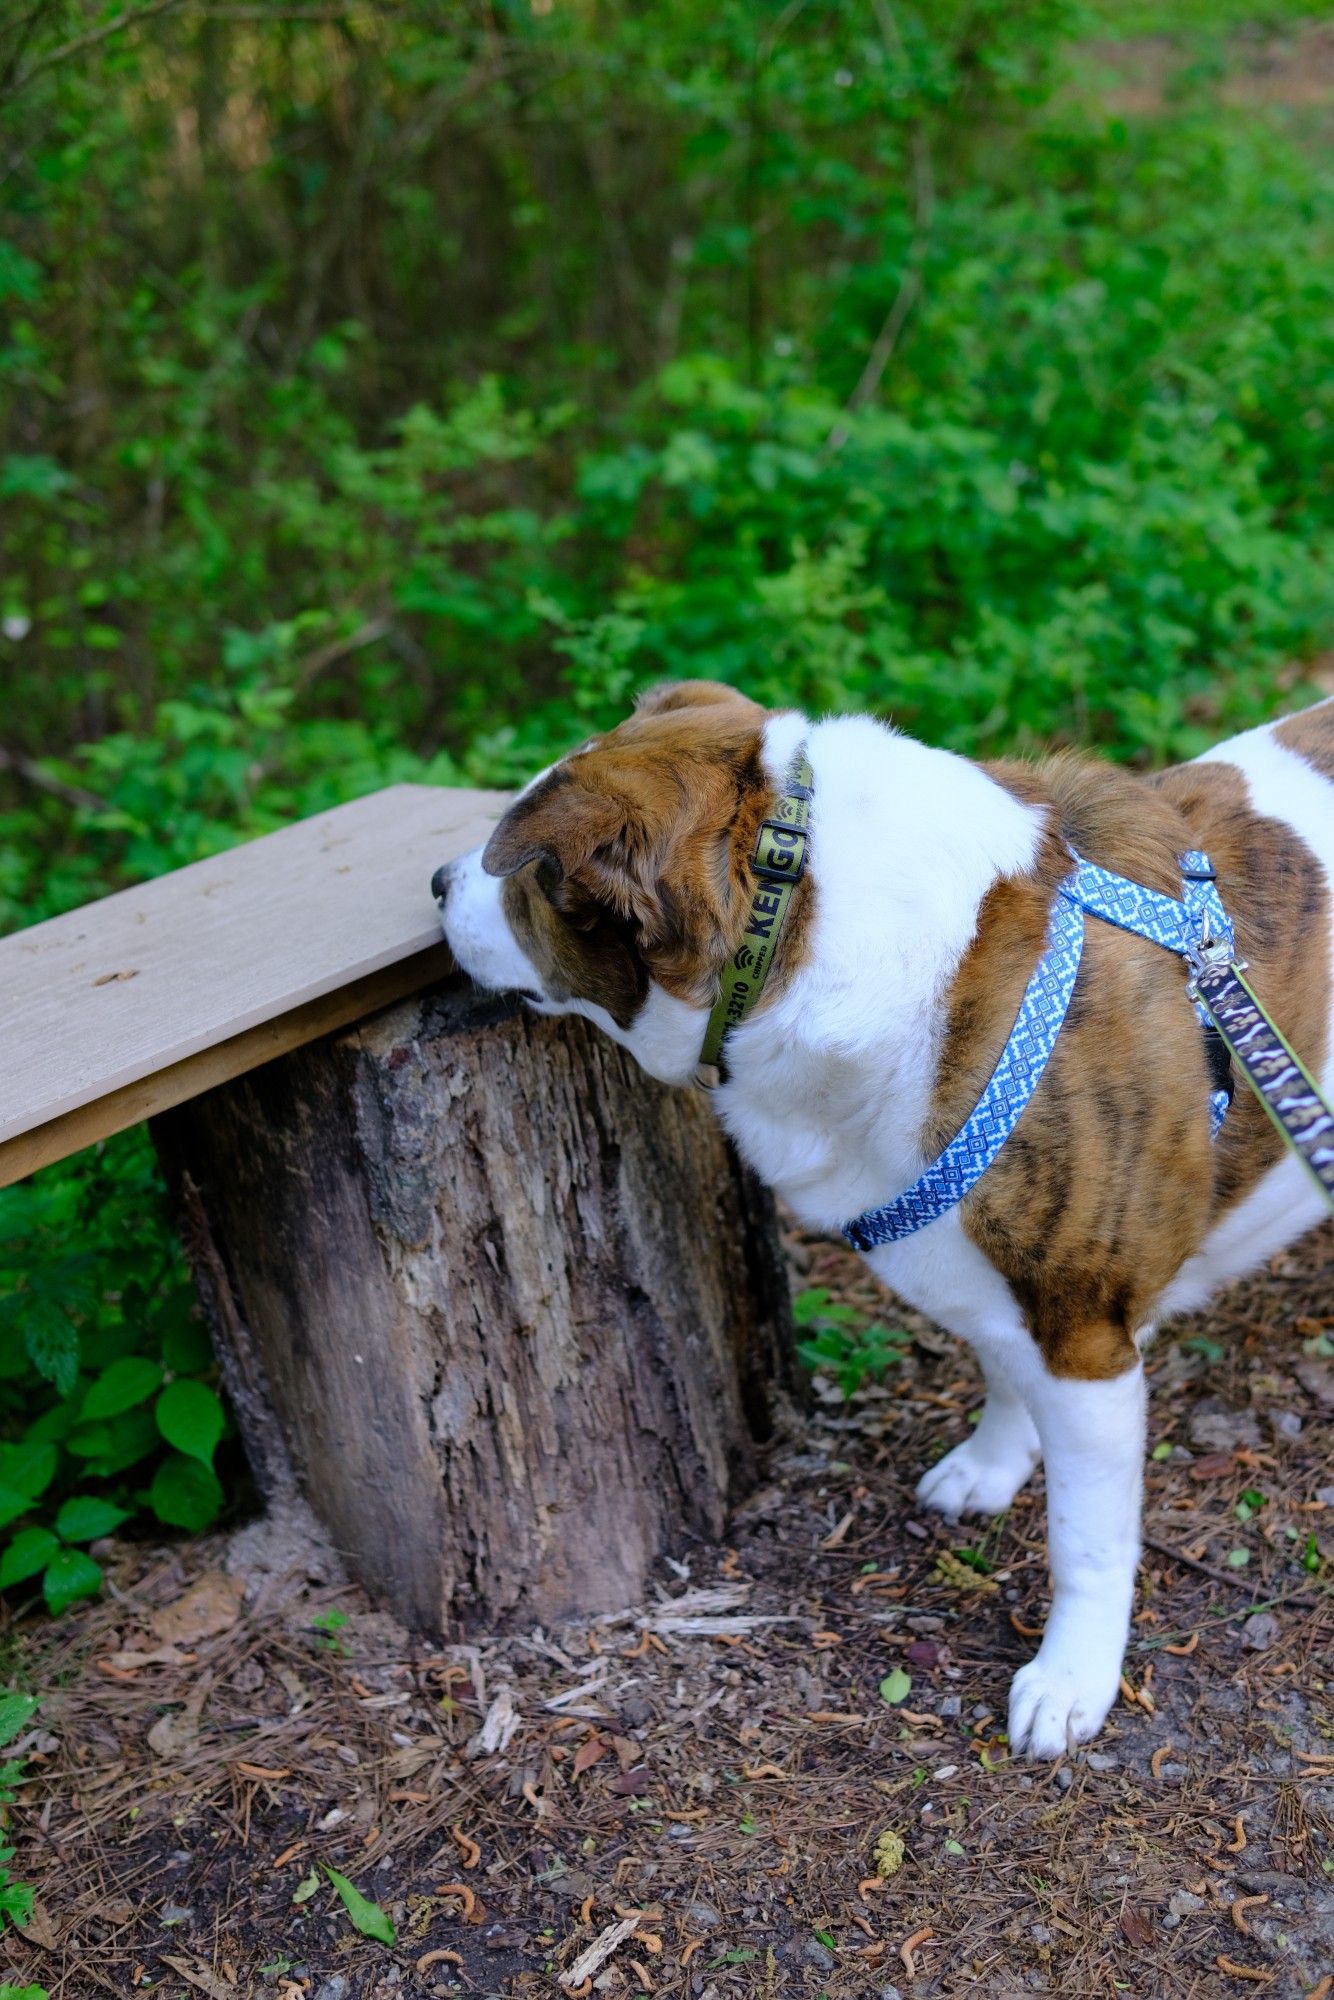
{"x":510,"y":1315}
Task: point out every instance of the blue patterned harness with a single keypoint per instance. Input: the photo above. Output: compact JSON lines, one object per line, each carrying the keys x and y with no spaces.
{"x":1197,"y":929}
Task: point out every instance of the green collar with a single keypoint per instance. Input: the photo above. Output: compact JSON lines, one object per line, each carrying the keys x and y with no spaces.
{"x":778,"y":862}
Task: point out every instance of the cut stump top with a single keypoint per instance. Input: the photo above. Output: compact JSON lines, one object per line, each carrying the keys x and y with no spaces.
{"x":116,"y":1011}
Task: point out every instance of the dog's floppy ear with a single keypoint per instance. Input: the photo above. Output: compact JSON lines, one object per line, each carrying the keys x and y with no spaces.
{"x":669,"y":695}
{"x":558,"y":820}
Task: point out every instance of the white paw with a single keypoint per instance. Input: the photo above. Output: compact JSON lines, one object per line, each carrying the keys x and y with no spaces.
{"x":970,"y":1480}
{"x":1056,"y":1703}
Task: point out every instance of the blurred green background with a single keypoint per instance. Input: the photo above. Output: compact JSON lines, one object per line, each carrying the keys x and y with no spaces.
{"x":387,"y":390}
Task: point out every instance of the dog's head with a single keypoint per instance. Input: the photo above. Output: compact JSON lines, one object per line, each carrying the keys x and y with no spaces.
{"x":618,"y":881}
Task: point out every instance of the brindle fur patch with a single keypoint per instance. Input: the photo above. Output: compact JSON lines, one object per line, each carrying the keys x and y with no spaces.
{"x":630,"y":861}
{"x":1109,"y":1181}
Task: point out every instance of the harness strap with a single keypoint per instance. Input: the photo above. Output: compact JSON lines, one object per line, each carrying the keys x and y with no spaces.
{"x":1197,"y":929}
{"x":1001,"y":1105}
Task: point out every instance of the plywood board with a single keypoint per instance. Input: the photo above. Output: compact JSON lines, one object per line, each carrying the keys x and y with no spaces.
{"x":118,"y":1010}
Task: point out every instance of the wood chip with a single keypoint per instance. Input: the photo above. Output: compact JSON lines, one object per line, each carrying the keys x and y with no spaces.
{"x":1159,"y":1758}
{"x":1237,"y":1844}
{"x":595,"y":1957}
{"x":832,"y":1541}
{"x":1235,"y":1971}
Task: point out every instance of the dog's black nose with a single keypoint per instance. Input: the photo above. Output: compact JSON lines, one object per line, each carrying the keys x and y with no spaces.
{"x":440,"y":882}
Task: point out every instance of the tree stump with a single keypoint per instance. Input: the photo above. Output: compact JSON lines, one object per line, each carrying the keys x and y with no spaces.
{"x":509,"y":1315}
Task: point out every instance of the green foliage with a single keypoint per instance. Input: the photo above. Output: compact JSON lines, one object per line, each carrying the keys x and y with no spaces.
{"x":16,"y":1712}
{"x":843,"y":1342}
{"x":130,"y":1425}
{"x":392,"y":398}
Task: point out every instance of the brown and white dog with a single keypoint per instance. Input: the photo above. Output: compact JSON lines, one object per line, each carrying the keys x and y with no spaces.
{"x":618,"y":884}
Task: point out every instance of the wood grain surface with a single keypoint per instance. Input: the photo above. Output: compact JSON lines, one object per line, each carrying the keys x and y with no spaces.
{"x":114,"y":1012}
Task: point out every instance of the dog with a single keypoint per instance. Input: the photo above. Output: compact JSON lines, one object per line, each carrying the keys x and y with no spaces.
{"x":620,"y":886}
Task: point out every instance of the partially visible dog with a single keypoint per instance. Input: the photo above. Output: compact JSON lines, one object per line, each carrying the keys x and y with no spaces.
{"x":617,"y":886}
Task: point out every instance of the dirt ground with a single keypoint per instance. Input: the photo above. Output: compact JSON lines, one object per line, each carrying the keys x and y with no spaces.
{"x":713,"y":1775}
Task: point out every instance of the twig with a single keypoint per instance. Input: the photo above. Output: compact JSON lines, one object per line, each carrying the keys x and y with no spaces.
{"x":1233,"y":1578}
{"x":910,"y":283}
{"x":338,"y":649}
{"x":129,"y":17}
{"x":70,"y":795}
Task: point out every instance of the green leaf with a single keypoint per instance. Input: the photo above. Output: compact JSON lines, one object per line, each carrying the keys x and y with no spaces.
{"x":84,"y":1517}
{"x":13,"y":1504}
{"x":16,"y":1905}
{"x":190,"y":1416}
{"x":896,"y":1687}
{"x":1238,"y":1558}
{"x":184,"y":1493}
{"x":119,"y":1387}
{"x":70,"y":1575}
{"x":30,"y":1550}
{"x":306,"y":1887}
{"x":123,"y":1441}
{"x":953,"y":1847}
{"x":8,"y":1992}
{"x":28,"y":1467}
{"x":368,"y":1918}
{"x":52,"y":1341}
{"x":16,"y":1712}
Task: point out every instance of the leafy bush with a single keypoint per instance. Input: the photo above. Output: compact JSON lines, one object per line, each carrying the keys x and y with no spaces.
{"x":392,"y":397}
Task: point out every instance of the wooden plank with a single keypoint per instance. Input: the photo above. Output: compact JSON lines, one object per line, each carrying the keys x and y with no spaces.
{"x":118,"y":1010}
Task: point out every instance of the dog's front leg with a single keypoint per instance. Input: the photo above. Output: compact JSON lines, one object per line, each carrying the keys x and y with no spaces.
{"x":1092,"y":1436}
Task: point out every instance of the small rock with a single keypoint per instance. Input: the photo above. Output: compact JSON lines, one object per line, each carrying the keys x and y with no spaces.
{"x":336,"y":1988}
{"x":818,"y":1955}
{"x":704,"y":1915}
{"x":952,"y":1705}
{"x":174,"y":1913}
{"x":1170,"y":1922}
{"x":1039,"y":1933}
{"x":980,"y":1712}
{"x":1182,"y":1904}
{"x":1325,"y":1495}
{"x":1285,"y":1423}
{"x":1260,"y":1631}
{"x":1103,"y":1760}
{"x":890,"y":1993}
{"x":1065,"y":1777}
